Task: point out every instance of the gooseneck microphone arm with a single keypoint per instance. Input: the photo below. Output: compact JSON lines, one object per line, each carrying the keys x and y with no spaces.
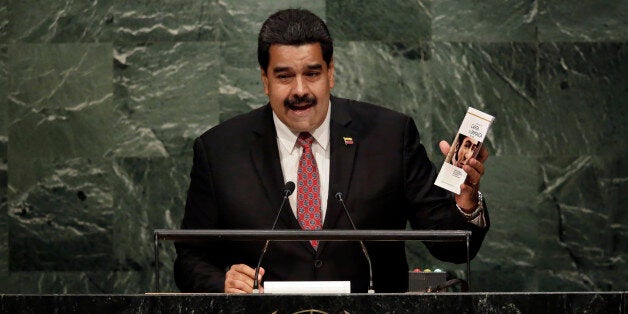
{"x":366,"y":253}
{"x":287,"y":191}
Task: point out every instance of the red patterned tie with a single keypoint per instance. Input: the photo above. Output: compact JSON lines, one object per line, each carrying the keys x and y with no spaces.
{"x":308,"y":188}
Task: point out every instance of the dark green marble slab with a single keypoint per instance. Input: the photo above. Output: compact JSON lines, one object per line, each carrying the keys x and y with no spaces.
{"x":497,"y":78}
{"x":62,"y":190}
{"x":485,"y":21}
{"x":390,"y":75}
{"x":64,"y":221}
{"x":4,"y":139}
{"x":582,"y":89}
{"x":242,"y":20}
{"x":188,"y":20}
{"x":559,"y":228}
{"x":62,"y":95}
{"x":583,"y":21}
{"x":34,"y":21}
{"x":4,"y":21}
{"x":79,"y":282}
{"x":4,"y":230}
{"x":386,"y":74}
{"x":508,"y":254}
{"x":583,"y":238}
{"x":179,"y":20}
{"x":168,"y":93}
{"x":122,"y":204}
{"x":511,"y":242}
{"x":67,"y":77}
{"x":240,"y":83}
{"x":153,"y":198}
{"x":372,"y":20}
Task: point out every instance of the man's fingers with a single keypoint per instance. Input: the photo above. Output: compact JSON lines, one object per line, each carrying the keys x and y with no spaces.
{"x":483,"y":154}
{"x":467,"y":197}
{"x":467,"y":193}
{"x":243,"y":269}
{"x":249,"y":272}
{"x":237,"y":286}
{"x":239,"y":278}
{"x":474,"y":168}
{"x":469,"y":189}
{"x":444,"y":147}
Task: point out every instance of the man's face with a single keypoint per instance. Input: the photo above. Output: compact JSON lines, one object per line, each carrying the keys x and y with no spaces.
{"x":465,"y":152}
{"x":298,"y":83}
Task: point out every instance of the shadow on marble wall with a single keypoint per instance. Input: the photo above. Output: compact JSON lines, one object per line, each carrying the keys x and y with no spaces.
{"x":101,"y":102}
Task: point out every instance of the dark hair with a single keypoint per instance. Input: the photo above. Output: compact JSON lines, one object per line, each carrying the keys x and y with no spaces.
{"x":461,"y":138}
{"x":293,"y":27}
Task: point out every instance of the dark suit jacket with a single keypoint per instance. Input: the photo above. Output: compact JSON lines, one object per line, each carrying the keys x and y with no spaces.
{"x":385,"y":175}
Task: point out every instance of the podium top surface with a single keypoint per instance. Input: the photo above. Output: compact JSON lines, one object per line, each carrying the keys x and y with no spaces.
{"x":300,"y":235}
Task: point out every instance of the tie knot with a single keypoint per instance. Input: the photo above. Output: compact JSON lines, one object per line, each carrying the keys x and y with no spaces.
{"x":305,"y":139}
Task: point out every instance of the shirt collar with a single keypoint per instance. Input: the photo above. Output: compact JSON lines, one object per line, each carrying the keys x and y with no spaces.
{"x":288,"y":139}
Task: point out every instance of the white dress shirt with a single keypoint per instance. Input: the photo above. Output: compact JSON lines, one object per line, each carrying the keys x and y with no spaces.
{"x":290,"y":154}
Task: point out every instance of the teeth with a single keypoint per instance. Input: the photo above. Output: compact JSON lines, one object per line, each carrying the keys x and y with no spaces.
{"x":299,"y":106}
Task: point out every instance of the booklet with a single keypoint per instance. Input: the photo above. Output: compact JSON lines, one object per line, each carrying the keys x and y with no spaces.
{"x":466,"y":145}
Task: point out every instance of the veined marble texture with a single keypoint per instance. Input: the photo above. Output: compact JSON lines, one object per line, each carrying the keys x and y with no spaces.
{"x":4,"y":262}
{"x":102,"y":99}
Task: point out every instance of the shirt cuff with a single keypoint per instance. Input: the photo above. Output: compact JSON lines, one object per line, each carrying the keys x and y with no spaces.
{"x":479,"y":221}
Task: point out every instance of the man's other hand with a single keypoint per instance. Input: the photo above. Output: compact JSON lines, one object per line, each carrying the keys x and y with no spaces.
{"x":239,"y":279}
{"x":468,"y":198}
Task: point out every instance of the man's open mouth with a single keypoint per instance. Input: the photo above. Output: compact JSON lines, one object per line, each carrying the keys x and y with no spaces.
{"x":300,"y":103}
{"x":300,"y":106}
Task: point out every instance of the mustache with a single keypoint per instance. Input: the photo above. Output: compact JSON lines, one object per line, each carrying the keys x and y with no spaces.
{"x":300,"y":100}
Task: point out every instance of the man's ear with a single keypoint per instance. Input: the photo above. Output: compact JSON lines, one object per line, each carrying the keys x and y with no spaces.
{"x":264,"y":79}
{"x":330,"y":73}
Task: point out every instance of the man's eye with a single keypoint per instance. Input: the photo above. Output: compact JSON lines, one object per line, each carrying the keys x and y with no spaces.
{"x":312,"y":74}
{"x":285,"y":78}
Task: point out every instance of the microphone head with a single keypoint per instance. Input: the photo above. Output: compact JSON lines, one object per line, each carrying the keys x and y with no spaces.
{"x":339,"y":196}
{"x":289,"y":188}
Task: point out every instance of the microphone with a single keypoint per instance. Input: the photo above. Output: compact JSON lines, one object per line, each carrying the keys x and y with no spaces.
{"x":366,"y":253}
{"x":287,"y":191}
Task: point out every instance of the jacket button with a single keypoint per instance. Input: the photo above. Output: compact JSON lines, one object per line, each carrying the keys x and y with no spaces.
{"x":318,"y":263}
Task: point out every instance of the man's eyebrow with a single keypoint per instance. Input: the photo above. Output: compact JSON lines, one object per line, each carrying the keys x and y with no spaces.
{"x":309,"y":67}
{"x":280,"y":69}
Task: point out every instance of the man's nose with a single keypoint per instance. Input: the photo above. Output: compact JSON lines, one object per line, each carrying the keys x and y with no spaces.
{"x":300,"y":87}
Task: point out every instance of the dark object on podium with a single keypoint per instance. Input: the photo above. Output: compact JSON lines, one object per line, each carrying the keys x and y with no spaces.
{"x":425,"y":281}
{"x":301,"y":235}
{"x":435,"y":282}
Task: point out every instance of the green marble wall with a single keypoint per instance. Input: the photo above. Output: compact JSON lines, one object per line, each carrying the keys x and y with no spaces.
{"x":101,"y":101}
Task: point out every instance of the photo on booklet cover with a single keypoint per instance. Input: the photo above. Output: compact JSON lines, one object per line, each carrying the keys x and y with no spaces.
{"x":462,"y":149}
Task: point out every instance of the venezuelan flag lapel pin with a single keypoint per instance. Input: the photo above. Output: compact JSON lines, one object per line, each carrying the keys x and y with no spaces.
{"x":348,"y":140}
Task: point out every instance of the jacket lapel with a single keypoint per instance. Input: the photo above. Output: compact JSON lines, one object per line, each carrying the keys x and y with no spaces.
{"x":344,"y":143}
{"x":265,"y":157}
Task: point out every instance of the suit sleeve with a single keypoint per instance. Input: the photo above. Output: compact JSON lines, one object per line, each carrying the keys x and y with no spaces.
{"x":198,"y":267}
{"x":431,"y":207}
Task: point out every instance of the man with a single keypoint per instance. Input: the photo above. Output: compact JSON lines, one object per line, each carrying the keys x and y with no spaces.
{"x":326,"y":145}
{"x":465,"y":148}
